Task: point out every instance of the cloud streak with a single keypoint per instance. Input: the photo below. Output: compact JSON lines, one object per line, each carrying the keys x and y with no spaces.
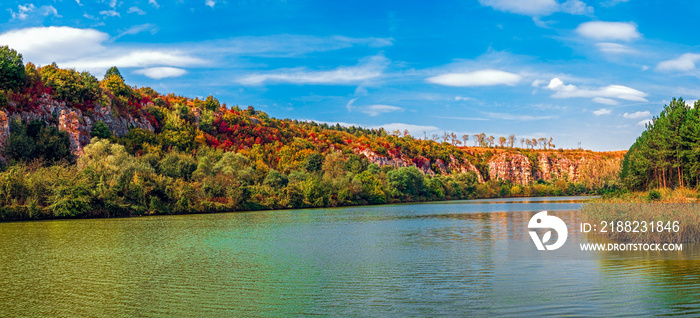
{"x":538,"y":8}
{"x":608,"y":31}
{"x":487,"y":77}
{"x":683,"y":63}
{"x":611,"y":91}
{"x":637,"y":115}
{"x":369,"y":69}
{"x":161,"y":72}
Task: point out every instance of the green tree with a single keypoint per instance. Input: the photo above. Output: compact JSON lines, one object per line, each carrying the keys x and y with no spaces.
{"x":12,"y":74}
{"x":113,"y":71}
{"x":100,"y":130}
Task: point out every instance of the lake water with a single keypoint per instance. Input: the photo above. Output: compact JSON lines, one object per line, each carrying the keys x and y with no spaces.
{"x":431,"y":259}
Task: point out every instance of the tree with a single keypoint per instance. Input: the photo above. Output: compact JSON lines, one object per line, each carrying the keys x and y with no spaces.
{"x":511,"y":140}
{"x":501,"y":141}
{"x":490,"y":140}
{"x":12,"y":74}
{"x":113,"y":71}
{"x":465,"y":138}
{"x":100,"y":130}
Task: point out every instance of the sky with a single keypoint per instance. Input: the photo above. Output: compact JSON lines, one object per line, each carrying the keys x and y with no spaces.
{"x":588,"y":73}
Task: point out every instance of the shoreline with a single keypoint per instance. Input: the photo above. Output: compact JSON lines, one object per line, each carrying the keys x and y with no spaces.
{"x":585,"y":198}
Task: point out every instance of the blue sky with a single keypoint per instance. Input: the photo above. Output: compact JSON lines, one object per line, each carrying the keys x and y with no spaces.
{"x":579,"y":71}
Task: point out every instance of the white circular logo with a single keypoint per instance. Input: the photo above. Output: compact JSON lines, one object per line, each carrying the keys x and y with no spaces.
{"x":543,"y":221}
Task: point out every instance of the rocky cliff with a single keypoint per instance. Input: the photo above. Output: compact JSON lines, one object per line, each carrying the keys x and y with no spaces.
{"x":77,"y":124}
{"x":522,"y":166}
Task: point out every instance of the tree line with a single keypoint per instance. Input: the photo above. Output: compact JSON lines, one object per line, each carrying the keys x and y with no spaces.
{"x":667,"y":154}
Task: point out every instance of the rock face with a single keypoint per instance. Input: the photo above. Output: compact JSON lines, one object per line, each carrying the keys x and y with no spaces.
{"x":72,"y":121}
{"x":516,"y":167}
{"x":589,"y":167}
{"x":4,"y":129}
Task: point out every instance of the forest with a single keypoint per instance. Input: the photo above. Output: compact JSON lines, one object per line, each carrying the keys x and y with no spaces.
{"x":204,"y":156}
{"x":667,"y":154}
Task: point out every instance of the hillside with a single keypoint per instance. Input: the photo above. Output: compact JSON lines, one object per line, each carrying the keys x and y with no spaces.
{"x":113,"y":149}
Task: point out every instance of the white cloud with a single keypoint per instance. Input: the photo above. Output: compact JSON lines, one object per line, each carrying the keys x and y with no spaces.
{"x":538,"y":82}
{"x":136,"y":10}
{"x":602,"y":111}
{"x":691,"y":102}
{"x":49,"y":10}
{"x":461,"y":98}
{"x":135,"y":58}
{"x":348,"y":106}
{"x":110,"y":13}
{"x":84,"y":49}
{"x":685,"y":62}
{"x":376,"y":110}
{"x":576,"y":7}
{"x":538,"y":8}
{"x":25,"y":11}
{"x":608,"y":31}
{"x":161,"y":72}
{"x":637,"y":115}
{"x":210,"y":3}
{"x":610,"y":91}
{"x":138,"y":29}
{"x":605,"y":101}
{"x":369,"y":69}
{"x":614,"y":48}
{"x":22,"y":11}
{"x":644,"y":122}
{"x":154,"y":3}
{"x":477,"y":78}
{"x":44,"y":45}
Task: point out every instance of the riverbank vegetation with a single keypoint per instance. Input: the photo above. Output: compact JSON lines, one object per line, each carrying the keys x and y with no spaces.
{"x":109,"y":181}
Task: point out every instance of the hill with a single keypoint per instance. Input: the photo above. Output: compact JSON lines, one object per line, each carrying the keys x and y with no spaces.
{"x":136,"y":151}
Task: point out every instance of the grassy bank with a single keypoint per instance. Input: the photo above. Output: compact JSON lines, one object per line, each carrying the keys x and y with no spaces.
{"x":664,"y":205}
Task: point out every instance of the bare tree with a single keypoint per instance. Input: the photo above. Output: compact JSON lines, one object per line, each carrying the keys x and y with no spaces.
{"x":501,"y":141}
{"x":542,"y":141}
{"x":445,"y":136}
{"x":482,"y":140}
{"x":511,"y":140}
{"x":551,"y":144}
{"x":490,"y":140}
{"x":522,"y":140}
{"x":465,"y":138}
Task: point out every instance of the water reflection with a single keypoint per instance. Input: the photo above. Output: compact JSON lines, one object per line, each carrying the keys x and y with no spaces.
{"x":396,"y":260}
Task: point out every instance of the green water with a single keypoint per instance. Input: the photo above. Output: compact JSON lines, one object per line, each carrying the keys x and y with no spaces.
{"x":399,"y":260}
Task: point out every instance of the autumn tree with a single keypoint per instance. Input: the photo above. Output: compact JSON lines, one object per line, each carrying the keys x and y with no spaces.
{"x":501,"y":141}
{"x":511,"y":140}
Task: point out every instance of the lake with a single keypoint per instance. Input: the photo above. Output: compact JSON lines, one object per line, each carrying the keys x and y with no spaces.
{"x":429,"y":259}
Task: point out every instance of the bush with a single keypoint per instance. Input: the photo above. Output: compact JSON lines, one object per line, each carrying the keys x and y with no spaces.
{"x":654,"y":195}
{"x":100,"y":130}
